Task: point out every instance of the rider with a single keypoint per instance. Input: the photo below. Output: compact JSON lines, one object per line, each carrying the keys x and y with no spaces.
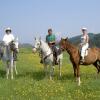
{"x":51,"y":40}
{"x":84,"y":43}
{"x":8,"y":37}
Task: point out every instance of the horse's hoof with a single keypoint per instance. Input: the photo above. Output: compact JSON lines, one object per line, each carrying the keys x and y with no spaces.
{"x":79,"y":83}
{"x":12,"y":78}
{"x":50,"y":78}
{"x":16,"y":73}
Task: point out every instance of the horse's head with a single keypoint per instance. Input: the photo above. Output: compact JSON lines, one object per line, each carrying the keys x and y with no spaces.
{"x":36,"y":45}
{"x":14,"y":45}
{"x":63,"y":43}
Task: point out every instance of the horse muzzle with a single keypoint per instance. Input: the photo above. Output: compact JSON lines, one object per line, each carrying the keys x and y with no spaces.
{"x":34,"y":50}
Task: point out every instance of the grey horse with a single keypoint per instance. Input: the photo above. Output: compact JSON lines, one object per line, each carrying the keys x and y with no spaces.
{"x":8,"y":54}
{"x":47,"y":54}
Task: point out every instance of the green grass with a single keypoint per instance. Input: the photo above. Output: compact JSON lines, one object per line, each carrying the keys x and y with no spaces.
{"x":31,"y":84}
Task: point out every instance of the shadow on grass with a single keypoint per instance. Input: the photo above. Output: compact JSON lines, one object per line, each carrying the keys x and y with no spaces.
{"x":38,"y":75}
{"x":2,"y":73}
{"x":68,"y":76}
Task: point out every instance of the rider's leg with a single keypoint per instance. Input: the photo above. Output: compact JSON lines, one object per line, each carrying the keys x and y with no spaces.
{"x":55,"y":55}
{"x":83,"y":52}
{"x":84,"y":48}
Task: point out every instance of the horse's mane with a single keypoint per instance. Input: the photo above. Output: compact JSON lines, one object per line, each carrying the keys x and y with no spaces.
{"x":70,"y":47}
{"x":44,"y":44}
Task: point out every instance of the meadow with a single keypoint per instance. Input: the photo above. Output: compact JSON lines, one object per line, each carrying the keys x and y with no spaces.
{"x":31,"y":83}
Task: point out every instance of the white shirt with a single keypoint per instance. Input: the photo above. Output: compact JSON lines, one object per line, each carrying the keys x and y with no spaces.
{"x":83,"y":39}
{"x":8,"y":38}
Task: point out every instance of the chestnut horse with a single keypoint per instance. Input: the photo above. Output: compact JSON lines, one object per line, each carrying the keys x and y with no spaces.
{"x":93,"y":57}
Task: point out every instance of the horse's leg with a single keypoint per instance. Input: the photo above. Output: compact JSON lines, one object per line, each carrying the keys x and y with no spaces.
{"x":15,"y":67}
{"x":45,"y":69}
{"x":78,"y":74}
{"x":97,"y":67}
{"x":7,"y":69}
{"x":51,"y":70}
{"x":60,"y":64}
{"x":75,"y":71}
{"x":11,"y":68}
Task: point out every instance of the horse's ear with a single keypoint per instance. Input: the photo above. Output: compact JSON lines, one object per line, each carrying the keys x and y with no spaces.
{"x":66,"y":38}
{"x":35,"y":38}
{"x":62,"y":38}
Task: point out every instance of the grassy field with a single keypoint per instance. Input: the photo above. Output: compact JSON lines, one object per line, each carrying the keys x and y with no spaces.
{"x":31,"y":84}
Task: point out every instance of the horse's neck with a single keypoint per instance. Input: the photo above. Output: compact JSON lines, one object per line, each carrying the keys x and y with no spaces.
{"x":70,"y":48}
{"x":44,"y":47}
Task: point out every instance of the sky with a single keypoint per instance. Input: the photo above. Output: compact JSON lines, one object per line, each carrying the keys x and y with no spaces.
{"x":32,"y":18}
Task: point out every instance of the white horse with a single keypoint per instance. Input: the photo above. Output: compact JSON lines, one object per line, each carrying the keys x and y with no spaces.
{"x":7,"y":55}
{"x":47,"y":56}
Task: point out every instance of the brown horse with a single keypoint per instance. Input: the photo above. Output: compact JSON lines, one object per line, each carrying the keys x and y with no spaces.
{"x":93,"y":57}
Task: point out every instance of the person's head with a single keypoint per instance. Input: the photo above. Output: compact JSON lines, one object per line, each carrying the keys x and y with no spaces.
{"x":8,"y":30}
{"x":84,"y":31}
{"x":50,"y":31}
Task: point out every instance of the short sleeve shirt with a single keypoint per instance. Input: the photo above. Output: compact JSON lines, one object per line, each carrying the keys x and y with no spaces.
{"x":8,"y":38}
{"x":50,"y":38}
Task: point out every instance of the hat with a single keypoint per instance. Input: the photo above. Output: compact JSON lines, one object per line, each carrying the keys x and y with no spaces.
{"x":8,"y":29}
{"x":84,"y":29}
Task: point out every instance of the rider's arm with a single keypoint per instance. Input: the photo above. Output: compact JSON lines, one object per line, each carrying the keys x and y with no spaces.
{"x":12,"y":37}
{"x":87,"y":39}
{"x":4,"y":38}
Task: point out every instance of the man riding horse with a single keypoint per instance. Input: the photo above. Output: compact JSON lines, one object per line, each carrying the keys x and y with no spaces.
{"x":84,"y":44}
{"x":51,"y":40}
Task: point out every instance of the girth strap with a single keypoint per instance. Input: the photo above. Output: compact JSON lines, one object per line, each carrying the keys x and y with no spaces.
{"x":47,"y":56}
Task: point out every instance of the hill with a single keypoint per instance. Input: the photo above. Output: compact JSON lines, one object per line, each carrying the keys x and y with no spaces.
{"x":94,"y":39}
{"x":25,"y":45}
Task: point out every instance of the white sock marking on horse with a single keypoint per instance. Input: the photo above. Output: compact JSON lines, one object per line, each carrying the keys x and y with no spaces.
{"x":79,"y":82}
